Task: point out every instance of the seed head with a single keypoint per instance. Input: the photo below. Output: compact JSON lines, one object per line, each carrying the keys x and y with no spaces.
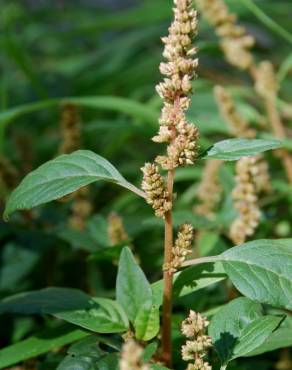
{"x":70,"y":128}
{"x":238,"y":125}
{"x":154,"y":186}
{"x":196,"y":348}
{"x":131,"y":356}
{"x":209,"y":190}
{"x":234,"y":40}
{"x":116,"y":229}
{"x":182,"y":247}
{"x":245,"y":201}
{"x":266,"y":84}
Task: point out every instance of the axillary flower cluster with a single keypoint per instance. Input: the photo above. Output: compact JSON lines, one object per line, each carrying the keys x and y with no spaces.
{"x":181,"y":136}
{"x":131,"y":356}
{"x":182,"y":247}
{"x":198,"y":342}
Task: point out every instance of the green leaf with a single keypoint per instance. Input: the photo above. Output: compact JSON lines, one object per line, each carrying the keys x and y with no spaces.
{"x":61,"y":176}
{"x":158,"y":367}
{"x":240,"y":327}
{"x":261,"y":270}
{"x":134,"y":294}
{"x":281,"y":338}
{"x":149,"y":351}
{"x":147,"y":323}
{"x":45,"y":341}
{"x":87,"y":355}
{"x":96,"y":314}
{"x":234,"y":149}
{"x":191,"y":280}
{"x":111,"y":103}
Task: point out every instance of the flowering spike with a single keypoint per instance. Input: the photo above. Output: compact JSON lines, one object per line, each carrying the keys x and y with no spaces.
{"x":176,"y":87}
{"x":154,"y":187}
{"x":234,"y":40}
{"x":245,"y":201}
{"x":196,"y":348}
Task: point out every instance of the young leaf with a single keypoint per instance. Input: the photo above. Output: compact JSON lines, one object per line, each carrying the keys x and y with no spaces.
{"x":240,"y":327}
{"x":96,"y":314}
{"x":234,"y":149}
{"x":134,"y":294}
{"x":261,"y":270}
{"x":44,"y":341}
{"x":61,"y":176}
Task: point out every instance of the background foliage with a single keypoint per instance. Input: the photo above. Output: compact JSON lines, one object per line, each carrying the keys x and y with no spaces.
{"x":106,"y":57}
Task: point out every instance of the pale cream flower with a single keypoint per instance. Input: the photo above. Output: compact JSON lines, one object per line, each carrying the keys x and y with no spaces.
{"x":116,"y":229}
{"x":234,"y":40}
{"x":131,"y":355}
{"x":266,"y":84}
{"x":182,"y":247}
{"x":154,"y":186}
{"x":245,"y":201}
{"x":209,"y":189}
{"x":196,"y":348}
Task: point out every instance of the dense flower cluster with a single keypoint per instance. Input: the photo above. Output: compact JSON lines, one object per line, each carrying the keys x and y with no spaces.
{"x":182,"y":247}
{"x":245,"y":200}
{"x":234,"y":40}
{"x":240,"y":128}
{"x":81,"y":209}
{"x":154,"y":186}
{"x":131,"y":355}
{"x":209,"y":189}
{"x":70,"y":128}
{"x":180,"y":135}
{"x":176,"y":87}
{"x":266,"y":84}
{"x":116,"y":229}
{"x":196,"y":347}
{"x":238,"y":125}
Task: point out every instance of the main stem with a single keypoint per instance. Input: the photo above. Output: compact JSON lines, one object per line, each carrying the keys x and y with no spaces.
{"x":167,"y":279}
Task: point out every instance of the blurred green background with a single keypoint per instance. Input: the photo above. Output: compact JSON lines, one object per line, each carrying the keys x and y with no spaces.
{"x":105,"y":54}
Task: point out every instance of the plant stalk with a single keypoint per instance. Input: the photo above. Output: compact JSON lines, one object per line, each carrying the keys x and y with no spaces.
{"x":167,"y":279}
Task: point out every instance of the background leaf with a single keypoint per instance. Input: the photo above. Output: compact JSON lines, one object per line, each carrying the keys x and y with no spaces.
{"x":234,"y":149}
{"x":240,"y":327}
{"x":39,"y":343}
{"x":261,"y":270}
{"x":95,"y":314}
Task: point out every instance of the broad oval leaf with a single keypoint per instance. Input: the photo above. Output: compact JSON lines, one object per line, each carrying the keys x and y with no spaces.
{"x":239,"y":328}
{"x":61,"y":176}
{"x":134,"y":293}
{"x":234,"y":149}
{"x":96,"y":314}
{"x":262,"y":270}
